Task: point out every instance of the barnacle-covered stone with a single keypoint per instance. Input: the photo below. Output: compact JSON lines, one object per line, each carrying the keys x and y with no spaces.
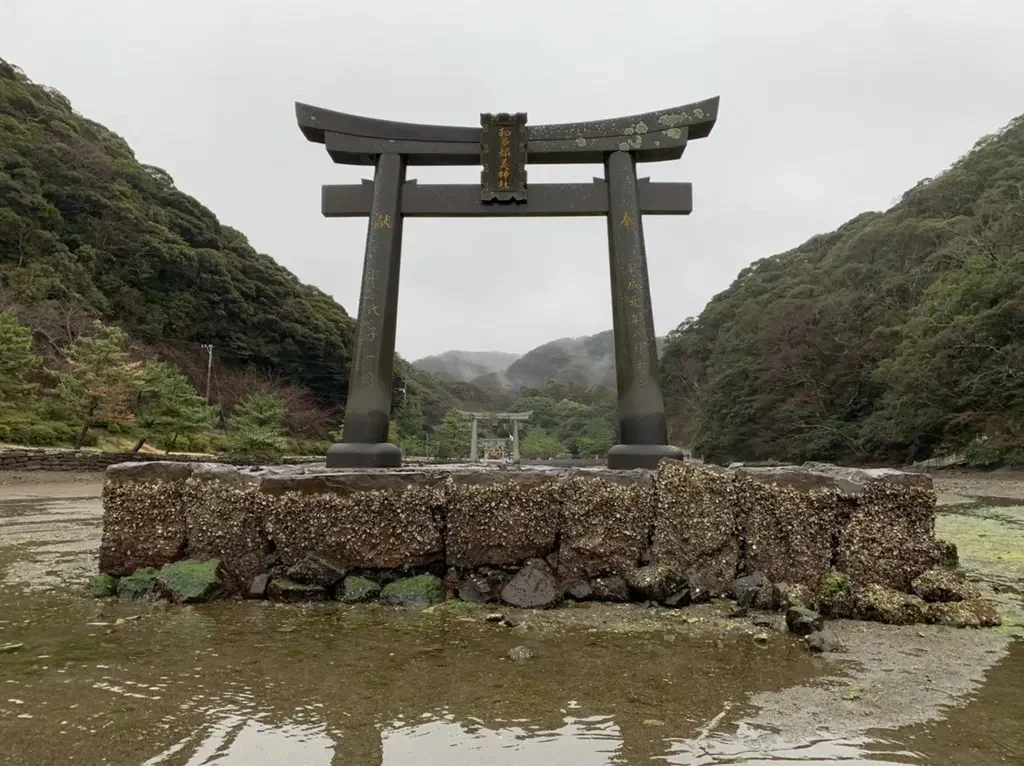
{"x":944,"y":585}
{"x":695,"y":525}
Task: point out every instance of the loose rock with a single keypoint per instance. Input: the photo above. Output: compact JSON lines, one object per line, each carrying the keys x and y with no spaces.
{"x":475,"y":589}
{"x":882,"y":604}
{"x":761,"y":638}
{"x":102,"y":586}
{"x":612,"y":588}
{"x":283,"y":589}
{"x":803,"y":621}
{"x":258,"y":586}
{"x":972,"y":613}
{"x":421,"y":590}
{"x":745,"y":589}
{"x":520,"y":654}
{"x":944,"y":585}
{"x":532,"y":587}
{"x":317,"y":569}
{"x":823,"y":641}
{"x":579,"y":591}
{"x":190,"y":581}
{"x":653,"y":583}
{"x":358,"y":590}
{"x":836,"y":595}
{"x":142,"y":583}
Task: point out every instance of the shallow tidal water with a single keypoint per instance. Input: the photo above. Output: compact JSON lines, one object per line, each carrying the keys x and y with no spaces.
{"x":323,"y":685}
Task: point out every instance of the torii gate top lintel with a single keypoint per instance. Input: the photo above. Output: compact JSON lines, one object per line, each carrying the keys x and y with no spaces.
{"x":502,"y":146}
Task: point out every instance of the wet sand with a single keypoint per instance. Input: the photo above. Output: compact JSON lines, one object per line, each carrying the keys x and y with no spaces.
{"x":246,"y":683}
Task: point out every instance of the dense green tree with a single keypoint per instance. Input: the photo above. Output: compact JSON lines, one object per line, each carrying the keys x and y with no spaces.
{"x":96,"y":388}
{"x":451,"y":438}
{"x":167,"y":405}
{"x":895,"y":337}
{"x":254,"y":429}
{"x":17,"y":362}
{"x":538,"y":443}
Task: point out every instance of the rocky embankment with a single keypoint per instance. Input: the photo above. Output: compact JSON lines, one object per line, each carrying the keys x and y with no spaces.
{"x":814,"y":541}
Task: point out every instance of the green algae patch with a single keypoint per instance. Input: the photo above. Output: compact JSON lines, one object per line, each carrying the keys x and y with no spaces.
{"x":142,"y":583}
{"x":191,"y":581}
{"x":836,"y":595}
{"x":421,"y":590}
{"x":359,"y":590}
{"x":102,"y":586}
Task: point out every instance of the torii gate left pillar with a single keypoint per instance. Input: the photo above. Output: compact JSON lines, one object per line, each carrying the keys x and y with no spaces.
{"x":501,"y":147}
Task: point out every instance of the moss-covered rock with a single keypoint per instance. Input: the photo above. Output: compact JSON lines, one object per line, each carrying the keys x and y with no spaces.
{"x":283,"y":589}
{"x":421,"y":590}
{"x":836,"y":595}
{"x":142,"y":583}
{"x":358,"y":590}
{"x":881,"y":604}
{"x":944,"y":585}
{"x":969,"y":613}
{"x":102,"y":586}
{"x":191,"y":581}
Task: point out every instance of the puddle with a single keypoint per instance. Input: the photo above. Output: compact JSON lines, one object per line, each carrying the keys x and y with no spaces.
{"x":239,"y":682}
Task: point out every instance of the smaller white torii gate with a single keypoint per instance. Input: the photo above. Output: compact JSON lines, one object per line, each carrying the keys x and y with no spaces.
{"x":476,"y":417}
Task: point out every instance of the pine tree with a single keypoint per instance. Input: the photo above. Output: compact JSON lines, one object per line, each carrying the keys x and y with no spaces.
{"x":255,"y":428}
{"x":167,"y":405}
{"x":17,"y":361}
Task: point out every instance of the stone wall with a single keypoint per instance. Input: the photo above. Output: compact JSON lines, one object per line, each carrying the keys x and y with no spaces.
{"x":588,"y":528}
{"x":30,"y":459}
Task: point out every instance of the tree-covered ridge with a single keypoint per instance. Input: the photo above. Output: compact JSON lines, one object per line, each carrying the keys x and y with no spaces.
{"x":84,"y":224}
{"x":898,"y":336}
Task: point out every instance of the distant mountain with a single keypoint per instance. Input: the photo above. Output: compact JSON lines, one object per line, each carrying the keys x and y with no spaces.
{"x":586,"y":361}
{"x":466,"y":365}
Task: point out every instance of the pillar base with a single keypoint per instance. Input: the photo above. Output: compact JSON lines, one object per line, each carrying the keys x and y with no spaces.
{"x":355,"y":455}
{"x":623,"y":457}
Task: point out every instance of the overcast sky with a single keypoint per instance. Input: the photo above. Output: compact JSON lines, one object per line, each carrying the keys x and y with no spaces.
{"x":828,"y":109}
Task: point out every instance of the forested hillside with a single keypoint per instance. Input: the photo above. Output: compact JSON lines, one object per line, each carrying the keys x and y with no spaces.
{"x":86,"y":231}
{"x":899,"y":336}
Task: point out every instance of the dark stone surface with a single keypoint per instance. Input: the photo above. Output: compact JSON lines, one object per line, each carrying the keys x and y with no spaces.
{"x":823,"y":641}
{"x":316,"y":568}
{"x":283,"y":589}
{"x":258,"y":586}
{"x":745,"y":589}
{"x":803,"y":621}
{"x":579,"y":591}
{"x":612,"y":588}
{"x":531,"y":588}
{"x":476,"y":590}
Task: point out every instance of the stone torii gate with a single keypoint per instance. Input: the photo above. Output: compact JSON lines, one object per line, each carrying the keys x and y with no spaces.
{"x":476,"y":417}
{"x":502,"y":146}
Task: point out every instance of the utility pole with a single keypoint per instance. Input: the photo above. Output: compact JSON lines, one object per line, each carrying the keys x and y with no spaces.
{"x":209,"y":367}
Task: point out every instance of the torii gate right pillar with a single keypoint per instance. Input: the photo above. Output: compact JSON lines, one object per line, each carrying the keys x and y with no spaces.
{"x":643,"y":429}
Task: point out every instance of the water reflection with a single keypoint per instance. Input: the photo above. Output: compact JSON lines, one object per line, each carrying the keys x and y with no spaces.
{"x":237,"y":741}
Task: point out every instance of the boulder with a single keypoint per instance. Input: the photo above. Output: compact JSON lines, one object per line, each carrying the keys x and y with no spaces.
{"x":692,"y":592}
{"x":283,"y":589}
{"x":970,"y":613}
{"x":142,"y":583}
{"x":102,"y":586}
{"x":320,"y":569}
{"x":745,"y":589}
{"x":836,"y":595}
{"x":191,"y":581}
{"x":421,"y":590}
{"x":823,"y":641}
{"x":653,"y":583}
{"x":532,"y":587}
{"x":944,"y":585}
{"x":612,"y":588}
{"x":803,"y":621}
{"x":579,"y":591}
{"x":358,"y":590}
{"x":881,"y":604}
{"x":475,"y":589}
